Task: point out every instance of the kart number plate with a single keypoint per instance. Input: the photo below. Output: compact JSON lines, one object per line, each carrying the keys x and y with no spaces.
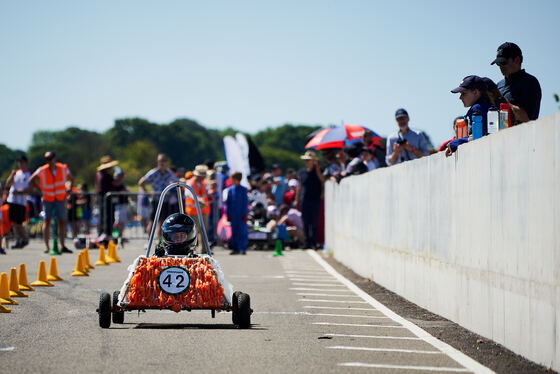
{"x":174,"y":280}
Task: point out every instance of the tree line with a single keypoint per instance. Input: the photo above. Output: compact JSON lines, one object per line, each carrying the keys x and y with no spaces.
{"x":135,"y":142}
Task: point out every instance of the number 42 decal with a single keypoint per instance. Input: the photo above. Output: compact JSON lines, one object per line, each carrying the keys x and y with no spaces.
{"x":174,"y":280}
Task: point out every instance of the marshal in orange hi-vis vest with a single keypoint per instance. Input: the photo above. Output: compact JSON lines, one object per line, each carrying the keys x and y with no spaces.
{"x":53,"y":188}
{"x":190,"y":206}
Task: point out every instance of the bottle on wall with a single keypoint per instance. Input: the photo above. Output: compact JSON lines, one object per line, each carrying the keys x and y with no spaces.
{"x":505,"y":120}
{"x":476,"y":125}
{"x":462,"y":128}
{"x":493,"y":120}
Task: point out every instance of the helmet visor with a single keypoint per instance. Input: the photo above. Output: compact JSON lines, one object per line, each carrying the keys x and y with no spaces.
{"x":177,"y":237}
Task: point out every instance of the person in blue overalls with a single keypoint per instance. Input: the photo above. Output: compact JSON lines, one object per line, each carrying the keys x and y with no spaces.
{"x":237,"y":207}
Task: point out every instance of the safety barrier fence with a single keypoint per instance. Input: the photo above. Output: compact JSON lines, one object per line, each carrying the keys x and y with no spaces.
{"x":474,"y":237}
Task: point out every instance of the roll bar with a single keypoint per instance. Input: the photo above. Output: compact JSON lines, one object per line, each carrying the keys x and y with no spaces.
{"x":177,"y":186}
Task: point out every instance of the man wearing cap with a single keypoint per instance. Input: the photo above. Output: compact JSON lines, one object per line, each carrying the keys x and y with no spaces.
{"x":159,"y":178}
{"x":308,"y":197}
{"x":51,"y":179}
{"x":406,"y":144}
{"x":521,"y":89}
{"x":103,"y":185}
{"x":18,"y":185}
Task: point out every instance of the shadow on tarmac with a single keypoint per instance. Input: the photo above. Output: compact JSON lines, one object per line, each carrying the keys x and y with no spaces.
{"x":192,"y":326}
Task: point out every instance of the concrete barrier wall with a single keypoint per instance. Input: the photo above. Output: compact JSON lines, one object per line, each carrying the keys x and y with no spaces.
{"x":474,"y":237}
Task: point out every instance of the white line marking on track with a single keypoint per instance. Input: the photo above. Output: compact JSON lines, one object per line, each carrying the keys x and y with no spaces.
{"x":307,"y":272}
{"x":357,"y":325}
{"x":7,"y":349}
{"x":347,"y":315}
{"x":373,"y":336}
{"x":317,"y":289}
{"x":339,"y":308}
{"x":385,"y":350}
{"x":322,"y":281}
{"x":289,"y":313}
{"x":318,"y":284}
{"x":323,"y":294}
{"x":403,"y":367}
{"x":456,"y":355}
{"x":333,"y":301}
{"x":258,"y":276}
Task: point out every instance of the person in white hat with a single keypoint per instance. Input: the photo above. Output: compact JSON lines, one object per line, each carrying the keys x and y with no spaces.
{"x":308,"y":197}
{"x":104,"y":185}
{"x":198,"y":183}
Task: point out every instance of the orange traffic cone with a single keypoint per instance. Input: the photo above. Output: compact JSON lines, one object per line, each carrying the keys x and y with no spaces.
{"x":22,"y":279}
{"x":86,"y":258}
{"x":5,"y":291}
{"x":101,"y":261}
{"x":53,"y":271}
{"x":42,"y":280}
{"x":14,"y":285}
{"x":3,"y":309}
{"x":80,"y":270}
{"x":83,"y":254}
{"x":112,"y":253}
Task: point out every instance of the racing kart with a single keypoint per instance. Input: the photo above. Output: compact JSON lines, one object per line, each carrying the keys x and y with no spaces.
{"x":259,"y":236}
{"x":179,"y":283}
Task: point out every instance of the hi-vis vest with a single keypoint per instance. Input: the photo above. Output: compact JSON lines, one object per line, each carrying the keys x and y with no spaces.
{"x":190,"y":206}
{"x":53,"y":188}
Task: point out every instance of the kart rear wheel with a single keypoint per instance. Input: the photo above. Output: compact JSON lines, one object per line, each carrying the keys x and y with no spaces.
{"x":244,"y":311}
{"x":104,"y":310}
{"x":118,"y":317}
{"x":234,"y":304}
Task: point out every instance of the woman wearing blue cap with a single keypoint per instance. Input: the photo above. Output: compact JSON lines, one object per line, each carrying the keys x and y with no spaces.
{"x":475,"y":97}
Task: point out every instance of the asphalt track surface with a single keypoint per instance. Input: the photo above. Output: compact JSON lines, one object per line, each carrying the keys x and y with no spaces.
{"x":307,"y":318}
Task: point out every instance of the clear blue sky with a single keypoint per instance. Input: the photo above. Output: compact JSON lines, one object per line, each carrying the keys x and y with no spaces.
{"x":254,"y":64}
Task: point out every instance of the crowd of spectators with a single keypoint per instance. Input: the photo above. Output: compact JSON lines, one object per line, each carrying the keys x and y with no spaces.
{"x":273,"y":201}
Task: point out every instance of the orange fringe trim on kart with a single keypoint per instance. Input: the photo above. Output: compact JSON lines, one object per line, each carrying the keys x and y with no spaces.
{"x":204,"y":291}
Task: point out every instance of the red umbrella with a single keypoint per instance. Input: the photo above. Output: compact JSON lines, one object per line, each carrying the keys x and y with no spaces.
{"x":336,"y":136}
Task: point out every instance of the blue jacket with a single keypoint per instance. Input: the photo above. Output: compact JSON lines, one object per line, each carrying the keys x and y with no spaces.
{"x":237,"y":203}
{"x":481,"y":106}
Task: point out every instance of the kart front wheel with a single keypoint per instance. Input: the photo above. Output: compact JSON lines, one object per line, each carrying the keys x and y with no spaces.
{"x":118,"y":317}
{"x":104,"y":310}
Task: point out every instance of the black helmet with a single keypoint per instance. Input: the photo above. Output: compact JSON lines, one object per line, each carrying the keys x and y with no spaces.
{"x":179,"y":233}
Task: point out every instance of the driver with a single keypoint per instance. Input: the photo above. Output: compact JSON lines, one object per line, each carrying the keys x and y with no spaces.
{"x":179,"y":236}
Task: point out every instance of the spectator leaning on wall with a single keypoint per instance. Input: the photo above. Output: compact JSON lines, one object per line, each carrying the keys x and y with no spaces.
{"x":406,"y":144}
{"x":474,"y":96}
{"x":443,"y":147}
{"x":521,"y":89}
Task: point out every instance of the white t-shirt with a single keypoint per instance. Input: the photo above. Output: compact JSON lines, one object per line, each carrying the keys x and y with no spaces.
{"x":20,"y":183}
